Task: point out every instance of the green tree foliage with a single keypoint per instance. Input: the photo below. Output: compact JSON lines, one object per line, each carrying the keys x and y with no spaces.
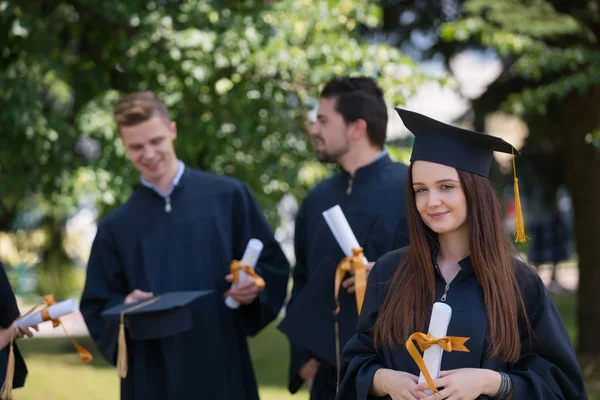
{"x":237,"y":76}
{"x":553,"y":48}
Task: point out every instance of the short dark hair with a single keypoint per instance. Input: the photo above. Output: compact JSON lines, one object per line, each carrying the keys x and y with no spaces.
{"x":360,"y":98}
{"x":138,"y":107}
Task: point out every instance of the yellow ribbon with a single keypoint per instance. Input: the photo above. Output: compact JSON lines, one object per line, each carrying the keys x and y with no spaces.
{"x":49,"y":300}
{"x":355,"y":263}
{"x":425,"y":341}
{"x":237,"y":266}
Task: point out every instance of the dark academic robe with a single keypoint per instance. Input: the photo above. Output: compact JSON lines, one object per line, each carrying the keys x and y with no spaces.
{"x":374,"y":203}
{"x":9,"y":312}
{"x":141,"y":246}
{"x":547,"y":369}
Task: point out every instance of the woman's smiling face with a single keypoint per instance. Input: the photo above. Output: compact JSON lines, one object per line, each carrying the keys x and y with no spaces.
{"x":439,"y":197}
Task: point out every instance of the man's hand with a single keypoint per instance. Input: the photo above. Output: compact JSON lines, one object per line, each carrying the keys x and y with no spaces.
{"x":348,"y":283}
{"x":308,"y":371}
{"x":137,"y":295}
{"x":244,"y":293}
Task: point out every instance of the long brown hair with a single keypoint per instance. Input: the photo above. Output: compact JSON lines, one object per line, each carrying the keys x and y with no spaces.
{"x":412,"y":287}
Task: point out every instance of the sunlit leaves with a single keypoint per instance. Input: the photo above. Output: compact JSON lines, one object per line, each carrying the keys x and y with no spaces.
{"x":555,"y":53}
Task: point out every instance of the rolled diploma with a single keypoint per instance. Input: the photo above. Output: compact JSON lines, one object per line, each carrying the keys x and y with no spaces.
{"x":250,"y":258}
{"x":438,"y":327}
{"x":56,"y":311}
{"x":337,"y":222}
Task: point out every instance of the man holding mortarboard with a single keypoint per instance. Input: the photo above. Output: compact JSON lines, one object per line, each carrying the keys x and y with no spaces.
{"x":350,"y":131}
{"x":160,"y":268}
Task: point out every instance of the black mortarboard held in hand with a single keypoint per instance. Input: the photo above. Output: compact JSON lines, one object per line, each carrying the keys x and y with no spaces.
{"x":459,"y":148}
{"x":158,"y":317}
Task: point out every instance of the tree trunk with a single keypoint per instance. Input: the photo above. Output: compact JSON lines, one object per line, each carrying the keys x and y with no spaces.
{"x":580,"y":115}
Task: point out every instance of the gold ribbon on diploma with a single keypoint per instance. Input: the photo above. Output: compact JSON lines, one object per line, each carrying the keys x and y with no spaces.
{"x":425,"y":341}
{"x":48,"y":300}
{"x":354,"y":263}
{"x":237,"y":266}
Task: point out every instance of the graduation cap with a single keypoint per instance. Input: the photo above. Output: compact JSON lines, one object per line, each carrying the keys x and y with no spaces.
{"x":310,"y":320}
{"x":158,"y":317}
{"x":459,"y":148}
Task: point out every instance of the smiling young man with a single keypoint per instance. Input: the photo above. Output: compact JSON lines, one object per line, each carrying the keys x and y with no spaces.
{"x":350,"y":131}
{"x":179,"y":231}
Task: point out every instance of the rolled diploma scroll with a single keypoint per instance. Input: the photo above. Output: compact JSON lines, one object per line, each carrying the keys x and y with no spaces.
{"x":250,"y":258}
{"x":55,"y":311}
{"x":341,"y":230}
{"x":438,"y":327}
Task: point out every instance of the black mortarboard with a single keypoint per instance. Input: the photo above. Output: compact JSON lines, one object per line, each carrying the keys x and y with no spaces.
{"x":449,"y":145}
{"x":310,"y":319}
{"x":161,"y":316}
{"x":460,"y":148}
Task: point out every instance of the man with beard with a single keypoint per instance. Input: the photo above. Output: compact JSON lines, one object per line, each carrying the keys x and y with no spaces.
{"x":180,"y":231}
{"x":350,"y":131}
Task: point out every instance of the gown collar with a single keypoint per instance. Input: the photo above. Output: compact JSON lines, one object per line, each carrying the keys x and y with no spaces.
{"x":365,"y":173}
{"x":466,"y":265}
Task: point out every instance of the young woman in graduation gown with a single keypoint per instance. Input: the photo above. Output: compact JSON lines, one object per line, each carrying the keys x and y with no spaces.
{"x":9,"y":312}
{"x":458,"y":254}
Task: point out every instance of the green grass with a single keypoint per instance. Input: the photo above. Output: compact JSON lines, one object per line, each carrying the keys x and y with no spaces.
{"x":55,"y":372}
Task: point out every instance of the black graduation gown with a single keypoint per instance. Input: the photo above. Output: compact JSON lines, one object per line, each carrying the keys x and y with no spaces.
{"x":374,"y":204}
{"x":140,"y":246}
{"x":547,"y":369}
{"x":9,"y":312}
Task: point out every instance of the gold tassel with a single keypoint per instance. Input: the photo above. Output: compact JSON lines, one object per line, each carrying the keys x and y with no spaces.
{"x":122,"y":351}
{"x":519,"y":225}
{"x":122,"y":342}
{"x":6,"y":392}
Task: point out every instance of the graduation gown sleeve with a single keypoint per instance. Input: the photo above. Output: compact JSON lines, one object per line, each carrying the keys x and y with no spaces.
{"x":299,"y":355}
{"x":401,"y":238}
{"x":105,"y":286}
{"x":547,"y":368}
{"x":272,"y":265}
{"x":360,"y":360}
{"x":9,"y":312}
